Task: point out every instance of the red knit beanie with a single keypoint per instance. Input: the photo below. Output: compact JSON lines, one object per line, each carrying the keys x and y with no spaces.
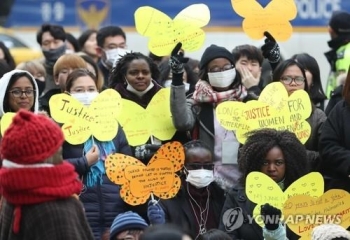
{"x":31,"y":138}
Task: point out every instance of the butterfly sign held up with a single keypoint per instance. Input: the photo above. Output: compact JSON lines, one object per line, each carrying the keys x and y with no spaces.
{"x":140,"y":124}
{"x":81,"y":122}
{"x":274,"y":109}
{"x":332,"y":207}
{"x":139,"y":182}
{"x":261,"y":189}
{"x":274,"y":18}
{"x":6,"y":121}
{"x":164,"y":33}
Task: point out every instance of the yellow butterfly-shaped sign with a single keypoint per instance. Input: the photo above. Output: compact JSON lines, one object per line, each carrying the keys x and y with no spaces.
{"x":80,"y":122}
{"x":6,"y":121}
{"x":274,"y":18}
{"x":138,"y":181}
{"x":139,"y":123}
{"x":302,"y":212}
{"x":165,"y":33}
{"x":274,"y":109}
{"x":261,"y":189}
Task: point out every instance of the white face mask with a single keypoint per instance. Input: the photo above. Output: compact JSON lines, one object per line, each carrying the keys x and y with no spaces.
{"x":222,"y":79}
{"x":136,"y":92}
{"x":167,"y":83}
{"x":85,"y":98}
{"x":200,"y":178}
{"x":113,"y":55}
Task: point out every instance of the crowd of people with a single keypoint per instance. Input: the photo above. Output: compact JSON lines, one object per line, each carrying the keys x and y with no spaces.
{"x":52,"y":189}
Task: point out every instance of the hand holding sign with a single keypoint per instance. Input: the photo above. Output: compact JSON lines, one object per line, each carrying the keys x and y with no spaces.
{"x":138,"y":181}
{"x":261,"y":189}
{"x":165,"y":33}
{"x":331,"y":207}
{"x":139,"y":123}
{"x":274,"y":18}
{"x":274,"y":109}
{"x":80,"y":122}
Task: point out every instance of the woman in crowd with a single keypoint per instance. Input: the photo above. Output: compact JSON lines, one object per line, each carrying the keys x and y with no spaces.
{"x":88,"y":43}
{"x":278,"y":154}
{"x":219,"y":82}
{"x":335,"y":144}
{"x":313,"y":78}
{"x":18,"y":90}
{"x":100,"y":196}
{"x":292,"y":74}
{"x":197,"y":206}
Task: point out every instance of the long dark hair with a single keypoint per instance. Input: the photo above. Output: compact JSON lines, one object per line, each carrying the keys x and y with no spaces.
{"x":316,"y":92}
{"x":13,"y":80}
{"x":282,"y":66}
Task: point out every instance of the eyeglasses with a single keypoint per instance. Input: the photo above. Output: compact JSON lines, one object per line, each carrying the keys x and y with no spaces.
{"x":218,"y":69}
{"x":288,"y":80}
{"x":19,"y":93}
{"x":195,"y":166}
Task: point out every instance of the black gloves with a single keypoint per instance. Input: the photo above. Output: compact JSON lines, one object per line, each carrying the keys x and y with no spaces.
{"x":271,"y":216}
{"x":270,"y":49}
{"x":176,"y":63}
{"x":146,"y":151}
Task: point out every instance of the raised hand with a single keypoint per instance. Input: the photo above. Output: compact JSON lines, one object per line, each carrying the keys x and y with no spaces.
{"x":270,"y":49}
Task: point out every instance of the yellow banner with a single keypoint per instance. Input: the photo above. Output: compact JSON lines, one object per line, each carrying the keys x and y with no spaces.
{"x":156,"y":120}
{"x":274,"y":18}
{"x":80,"y":122}
{"x":274,"y":109}
{"x":164,"y":33}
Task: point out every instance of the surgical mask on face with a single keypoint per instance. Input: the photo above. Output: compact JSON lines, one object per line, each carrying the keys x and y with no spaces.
{"x":113,"y":56}
{"x":167,"y":83}
{"x":52,"y":55}
{"x":85,"y":98}
{"x":200,"y":178}
{"x":69,"y":51}
{"x":222,"y":79}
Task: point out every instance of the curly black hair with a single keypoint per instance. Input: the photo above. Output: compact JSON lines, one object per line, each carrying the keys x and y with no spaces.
{"x":260,"y":142}
{"x":118,"y":73}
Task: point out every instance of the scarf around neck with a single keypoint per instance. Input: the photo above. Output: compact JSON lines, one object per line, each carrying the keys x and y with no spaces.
{"x":34,"y":185}
{"x":204,"y":93}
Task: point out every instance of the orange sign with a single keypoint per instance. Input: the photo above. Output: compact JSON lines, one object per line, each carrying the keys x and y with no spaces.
{"x":138,"y":181}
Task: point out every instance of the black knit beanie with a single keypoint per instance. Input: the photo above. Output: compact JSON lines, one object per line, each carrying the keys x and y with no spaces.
{"x":212,"y":52}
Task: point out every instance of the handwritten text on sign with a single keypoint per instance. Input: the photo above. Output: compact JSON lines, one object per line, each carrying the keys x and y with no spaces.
{"x":138,"y":181}
{"x":274,"y":18}
{"x":80,"y":122}
{"x":274,"y":109}
{"x":261,"y":189}
{"x":333,"y":205}
{"x":165,"y":33}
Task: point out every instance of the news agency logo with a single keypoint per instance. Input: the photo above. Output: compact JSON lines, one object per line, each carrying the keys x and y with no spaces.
{"x":233,"y":219}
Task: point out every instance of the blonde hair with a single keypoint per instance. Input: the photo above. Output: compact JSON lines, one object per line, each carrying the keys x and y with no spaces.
{"x":32,"y":67}
{"x":68,"y":61}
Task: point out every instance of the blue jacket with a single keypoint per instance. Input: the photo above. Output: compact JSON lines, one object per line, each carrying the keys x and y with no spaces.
{"x":102,"y":203}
